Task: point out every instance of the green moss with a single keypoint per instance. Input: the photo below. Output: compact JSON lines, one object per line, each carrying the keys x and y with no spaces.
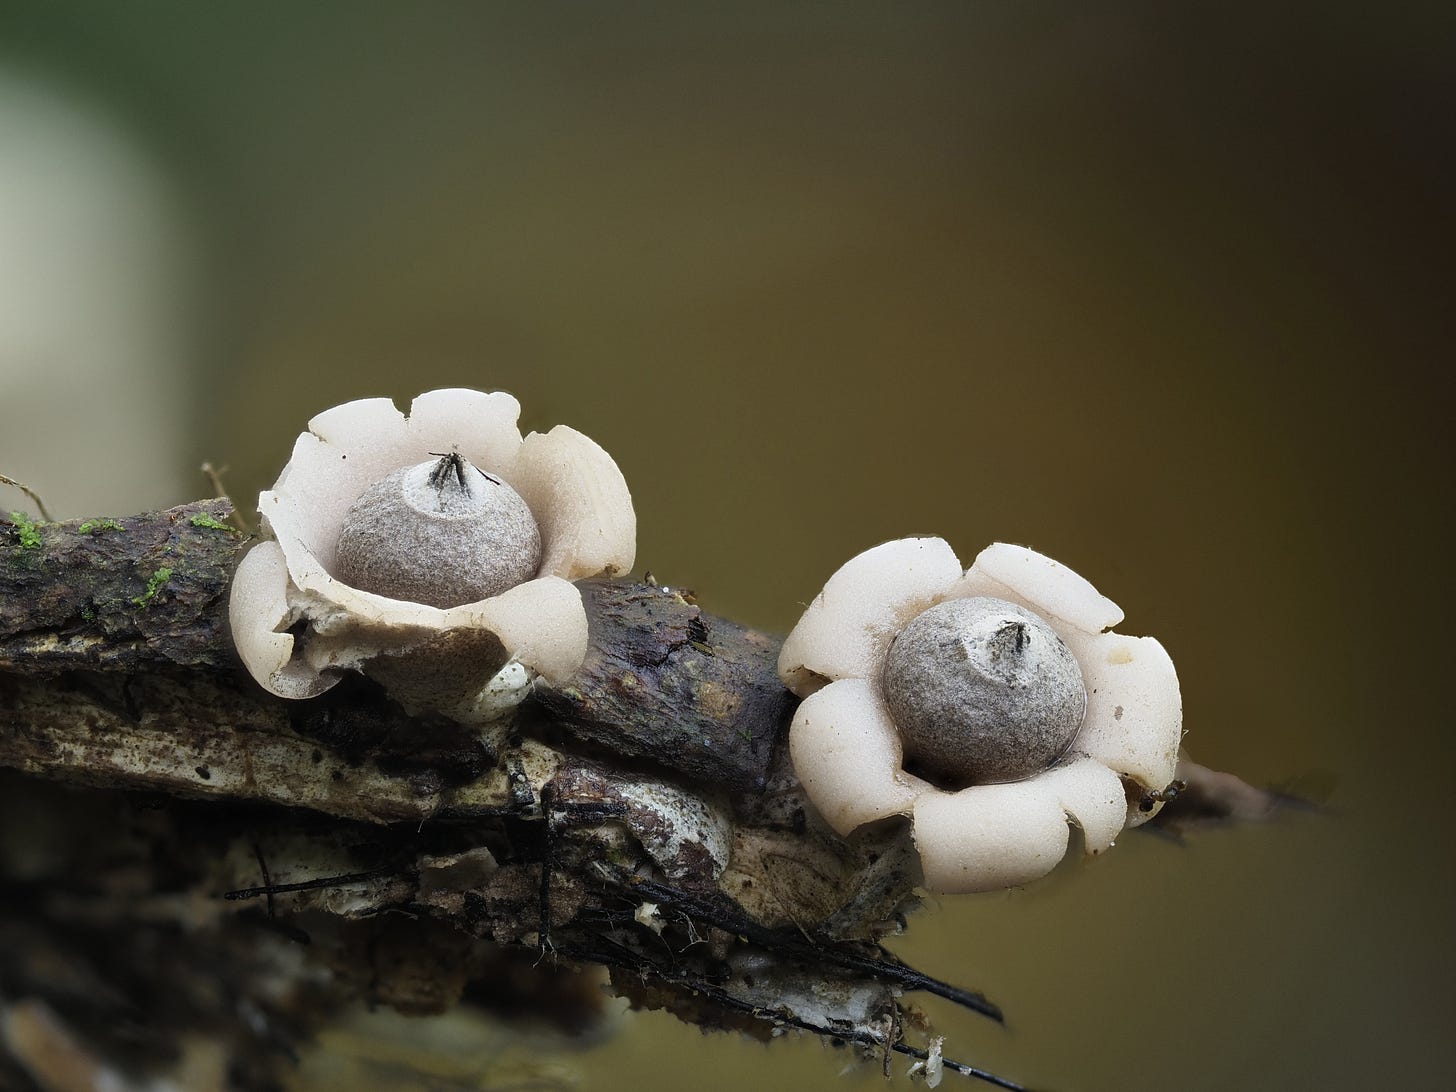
{"x":155,"y":583}
{"x":96,"y":526}
{"x":211,"y":522}
{"x":30,"y":536}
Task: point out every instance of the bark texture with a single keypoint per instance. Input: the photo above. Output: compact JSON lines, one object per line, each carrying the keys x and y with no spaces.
{"x":196,"y":876}
{"x":641,"y":820}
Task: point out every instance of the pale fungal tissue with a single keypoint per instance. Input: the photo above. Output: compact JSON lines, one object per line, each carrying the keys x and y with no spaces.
{"x":435,"y":552}
{"x":991,"y":706}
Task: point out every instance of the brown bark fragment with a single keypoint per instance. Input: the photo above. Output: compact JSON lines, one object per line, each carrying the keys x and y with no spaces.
{"x":178,"y":844}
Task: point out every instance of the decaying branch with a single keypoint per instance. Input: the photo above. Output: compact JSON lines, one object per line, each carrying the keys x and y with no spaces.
{"x":189,"y":860}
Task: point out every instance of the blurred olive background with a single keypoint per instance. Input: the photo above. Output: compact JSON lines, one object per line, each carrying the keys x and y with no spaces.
{"x":1157,"y":289}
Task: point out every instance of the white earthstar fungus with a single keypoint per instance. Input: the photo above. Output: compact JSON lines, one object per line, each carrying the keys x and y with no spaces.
{"x":431,"y":551}
{"x":903,"y":658}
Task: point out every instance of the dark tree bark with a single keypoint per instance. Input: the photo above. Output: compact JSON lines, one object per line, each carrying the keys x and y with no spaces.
{"x":174,"y":836}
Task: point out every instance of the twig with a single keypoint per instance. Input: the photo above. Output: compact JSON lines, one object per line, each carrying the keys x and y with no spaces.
{"x":322,"y":883}
{"x":29,"y":492}
{"x":774,"y":940}
{"x":214,"y":477}
{"x":619,"y":956}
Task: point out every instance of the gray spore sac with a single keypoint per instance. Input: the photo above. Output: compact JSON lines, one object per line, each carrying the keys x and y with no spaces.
{"x":441,"y":533}
{"x":982,"y":691}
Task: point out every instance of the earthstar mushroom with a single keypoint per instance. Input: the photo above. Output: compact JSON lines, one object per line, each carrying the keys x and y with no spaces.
{"x":986,"y":817}
{"x":465,"y":535}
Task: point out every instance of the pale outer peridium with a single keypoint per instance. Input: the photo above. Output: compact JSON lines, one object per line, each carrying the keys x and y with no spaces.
{"x":847,"y":753}
{"x":575,"y":492}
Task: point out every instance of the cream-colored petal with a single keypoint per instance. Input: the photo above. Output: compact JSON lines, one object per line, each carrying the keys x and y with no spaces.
{"x":322,"y":482}
{"x":847,"y":629}
{"x":581,"y":502}
{"x":1092,"y":797}
{"x":370,"y":431}
{"x":481,"y":425}
{"x":1134,"y":721}
{"x":288,"y":517}
{"x":332,"y":604}
{"x":1039,"y":584}
{"x":995,"y":836}
{"x":989,"y":837}
{"x":847,"y":755}
{"x":259,"y":615}
{"x":1136,"y":816}
{"x":542,"y":624}
{"x":346,"y":450}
